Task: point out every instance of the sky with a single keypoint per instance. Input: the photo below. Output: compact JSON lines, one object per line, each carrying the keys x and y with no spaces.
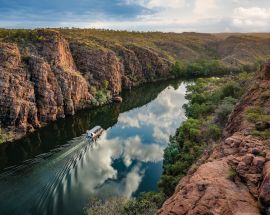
{"x":139,"y":15}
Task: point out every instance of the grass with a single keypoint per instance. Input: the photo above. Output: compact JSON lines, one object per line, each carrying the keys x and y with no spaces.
{"x":265,"y":135}
{"x":187,"y":47}
{"x":256,"y":114}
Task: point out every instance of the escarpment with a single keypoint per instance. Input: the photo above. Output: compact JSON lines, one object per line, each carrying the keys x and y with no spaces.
{"x":18,"y":103}
{"x":122,"y":66}
{"x":235,"y":177}
{"x":97,"y":66}
{"x":44,"y":77}
{"x":40,"y":83}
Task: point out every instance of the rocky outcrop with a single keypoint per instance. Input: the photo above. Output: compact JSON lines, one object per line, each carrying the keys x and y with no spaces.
{"x":257,"y":96}
{"x":98,"y":66}
{"x":153,"y":66}
{"x":235,"y":177}
{"x":41,"y":85}
{"x":45,"y":77}
{"x":17,"y":103}
{"x":123,"y":67}
{"x":55,"y":50}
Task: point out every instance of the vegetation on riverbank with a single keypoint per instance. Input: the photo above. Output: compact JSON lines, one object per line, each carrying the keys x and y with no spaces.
{"x":212,"y":67}
{"x":3,"y":137}
{"x":211,"y":100}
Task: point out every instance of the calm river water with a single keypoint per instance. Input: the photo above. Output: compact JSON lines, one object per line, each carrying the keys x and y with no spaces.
{"x":55,"y":170}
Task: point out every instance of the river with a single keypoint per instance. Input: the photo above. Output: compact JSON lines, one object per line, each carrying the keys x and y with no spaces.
{"x":55,"y":170}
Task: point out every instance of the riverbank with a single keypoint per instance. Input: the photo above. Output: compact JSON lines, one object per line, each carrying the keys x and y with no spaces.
{"x":233,"y":177}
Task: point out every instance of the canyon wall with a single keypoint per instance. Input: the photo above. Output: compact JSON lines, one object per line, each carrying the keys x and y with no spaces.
{"x":235,"y":177}
{"x":44,"y":77}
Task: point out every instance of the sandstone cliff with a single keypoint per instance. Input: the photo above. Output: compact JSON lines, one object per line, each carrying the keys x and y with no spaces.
{"x":235,"y":177}
{"x":44,"y":77}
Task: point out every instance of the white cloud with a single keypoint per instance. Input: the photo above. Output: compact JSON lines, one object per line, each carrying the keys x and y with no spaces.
{"x":251,"y":17}
{"x":160,"y":136}
{"x":124,"y":188}
{"x":252,"y":13}
{"x":128,"y":121}
{"x":203,"y":8}
{"x":135,"y":150}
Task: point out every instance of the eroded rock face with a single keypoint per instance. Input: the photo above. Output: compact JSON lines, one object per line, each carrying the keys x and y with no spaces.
{"x":98,"y":66}
{"x":55,"y":50}
{"x":153,"y":66}
{"x":43,"y":79}
{"x":208,"y":191}
{"x":235,"y":178}
{"x":123,"y":67}
{"x":39,"y":86}
{"x":17,"y":102}
{"x":49,"y":99}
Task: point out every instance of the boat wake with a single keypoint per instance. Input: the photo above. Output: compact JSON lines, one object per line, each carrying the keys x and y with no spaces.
{"x":61,"y":165}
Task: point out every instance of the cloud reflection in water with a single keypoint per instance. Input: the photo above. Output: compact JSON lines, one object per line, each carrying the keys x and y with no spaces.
{"x":137,"y":139}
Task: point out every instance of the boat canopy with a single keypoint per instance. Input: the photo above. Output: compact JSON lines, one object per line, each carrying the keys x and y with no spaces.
{"x":93,"y":130}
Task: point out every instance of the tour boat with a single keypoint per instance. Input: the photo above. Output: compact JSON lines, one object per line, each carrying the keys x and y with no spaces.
{"x":94,"y":132}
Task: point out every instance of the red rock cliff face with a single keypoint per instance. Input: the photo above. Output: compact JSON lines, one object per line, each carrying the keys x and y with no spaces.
{"x":123,"y":67}
{"x":55,"y":50}
{"x":209,"y":190}
{"x":18,"y":103}
{"x":45,"y":78}
{"x":41,"y":85}
{"x":98,"y":65}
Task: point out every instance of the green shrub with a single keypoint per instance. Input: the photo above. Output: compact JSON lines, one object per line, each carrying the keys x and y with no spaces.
{"x":223,"y":111}
{"x":255,"y":114}
{"x":198,"y":98}
{"x":167,"y":184}
{"x":231,"y":89}
{"x":232,"y":174}
{"x":156,"y":197}
{"x":102,"y":97}
{"x":171,"y":153}
{"x":262,"y":134}
{"x":178,"y":69}
{"x":93,"y":90}
{"x":213,"y":132}
{"x":189,"y":130}
{"x":105,"y":85}
{"x":196,"y":110}
{"x":121,"y":206}
{"x":111,"y":206}
{"x":3,"y":137}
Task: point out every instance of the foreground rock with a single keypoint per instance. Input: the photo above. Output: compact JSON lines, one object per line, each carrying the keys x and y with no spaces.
{"x":235,"y":177}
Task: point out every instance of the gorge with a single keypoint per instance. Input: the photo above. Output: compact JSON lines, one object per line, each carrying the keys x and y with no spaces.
{"x":50,"y":74}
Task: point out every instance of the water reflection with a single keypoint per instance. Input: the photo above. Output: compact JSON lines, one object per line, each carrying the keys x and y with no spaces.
{"x":125,"y":161}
